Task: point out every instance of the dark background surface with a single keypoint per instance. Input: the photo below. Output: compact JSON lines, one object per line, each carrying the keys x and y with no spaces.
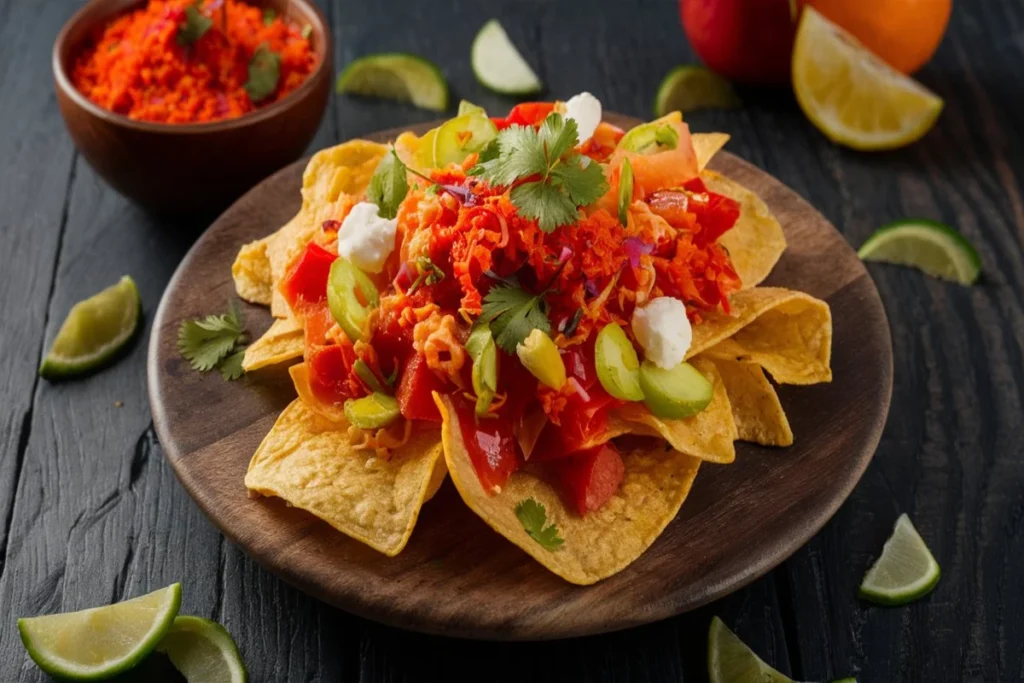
{"x":91,"y":513}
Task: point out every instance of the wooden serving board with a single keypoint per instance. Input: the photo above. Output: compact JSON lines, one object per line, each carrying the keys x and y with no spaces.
{"x":457,"y":577}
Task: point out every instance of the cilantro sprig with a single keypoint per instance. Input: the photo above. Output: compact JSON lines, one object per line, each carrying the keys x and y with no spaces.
{"x":513,"y":314}
{"x":194,"y":26}
{"x":549,"y":180}
{"x":533,"y":516}
{"x":216,"y":341}
{"x":264,"y":73}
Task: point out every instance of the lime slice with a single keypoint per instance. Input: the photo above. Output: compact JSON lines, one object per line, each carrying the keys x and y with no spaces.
{"x":97,"y":643}
{"x":937,"y":249}
{"x":852,"y":96}
{"x":498,"y":64}
{"x":689,"y":88}
{"x":731,"y":661}
{"x":396,"y":76}
{"x":94,"y":331}
{"x":906,"y":570}
{"x":203,"y":651}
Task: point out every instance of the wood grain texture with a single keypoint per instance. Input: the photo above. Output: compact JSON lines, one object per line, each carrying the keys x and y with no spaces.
{"x":456,"y":577}
{"x":950,"y":454}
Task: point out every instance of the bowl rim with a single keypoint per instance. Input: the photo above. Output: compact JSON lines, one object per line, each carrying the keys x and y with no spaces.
{"x":307,"y":87}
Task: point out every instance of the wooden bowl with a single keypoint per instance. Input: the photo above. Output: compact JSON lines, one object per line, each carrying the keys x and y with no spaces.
{"x":194,"y":167}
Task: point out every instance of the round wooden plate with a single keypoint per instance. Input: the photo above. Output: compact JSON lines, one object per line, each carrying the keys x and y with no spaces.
{"x":456,"y":576}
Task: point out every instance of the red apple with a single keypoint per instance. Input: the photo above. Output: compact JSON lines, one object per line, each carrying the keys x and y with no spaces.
{"x":749,"y":41}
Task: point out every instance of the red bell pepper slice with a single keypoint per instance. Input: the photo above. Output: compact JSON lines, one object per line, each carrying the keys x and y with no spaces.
{"x":525,"y":114}
{"x":591,"y":477}
{"x":305,"y":284}
{"x":491,"y":445}
{"x":416,"y":388}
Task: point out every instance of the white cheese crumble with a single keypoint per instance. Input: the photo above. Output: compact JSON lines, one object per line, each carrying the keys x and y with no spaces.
{"x":585,"y":110}
{"x":664,"y":331}
{"x":366,"y":239}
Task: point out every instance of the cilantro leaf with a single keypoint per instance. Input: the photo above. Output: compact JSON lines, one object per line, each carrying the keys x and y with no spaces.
{"x":580,"y":178}
{"x":389,"y":185}
{"x":545,"y":203}
{"x":264,"y":73}
{"x":558,"y":136}
{"x":533,"y":516}
{"x":231,"y":367}
{"x":520,"y":155}
{"x":195,"y":25}
{"x":513,"y":314}
{"x":214,"y":341}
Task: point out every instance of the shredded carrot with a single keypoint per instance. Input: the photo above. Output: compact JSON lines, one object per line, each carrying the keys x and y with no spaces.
{"x":437,"y":339}
{"x":380,"y":441}
{"x":135,"y":65}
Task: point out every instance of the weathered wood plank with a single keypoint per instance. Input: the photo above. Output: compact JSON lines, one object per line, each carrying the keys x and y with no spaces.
{"x":36,"y":164}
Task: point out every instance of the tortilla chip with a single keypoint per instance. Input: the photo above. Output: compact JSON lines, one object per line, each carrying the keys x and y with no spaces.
{"x":755,"y":405}
{"x":787,"y":333}
{"x":282,"y":342}
{"x":251,"y":273}
{"x":707,"y":145}
{"x":333,"y":178}
{"x":310,"y":463}
{"x":604,"y":542}
{"x":756,"y":242}
{"x":708,"y":435}
{"x":406,"y":146}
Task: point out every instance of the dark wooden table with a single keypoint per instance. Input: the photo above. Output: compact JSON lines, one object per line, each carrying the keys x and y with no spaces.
{"x":91,"y":512}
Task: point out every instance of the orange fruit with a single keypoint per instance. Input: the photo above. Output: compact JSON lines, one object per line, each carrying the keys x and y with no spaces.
{"x":904,"y":33}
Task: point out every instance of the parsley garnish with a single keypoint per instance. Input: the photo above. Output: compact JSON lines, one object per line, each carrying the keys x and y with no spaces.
{"x":216,"y":341}
{"x":513,"y":314}
{"x":264,"y":72}
{"x":389,"y":185}
{"x":268,"y":16}
{"x":533,"y":517}
{"x":195,"y":25}
{"x":567,"y":180}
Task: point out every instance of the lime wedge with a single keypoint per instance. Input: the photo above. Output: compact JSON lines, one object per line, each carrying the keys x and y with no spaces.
{"x":689,"y":88}
{"x":396,"y":76}
{"x":203,"y":651}
{"x":498,"y":64}
{"x":906,"y":570}
{"x":851,"y":95}
{"x":937,"y":249}
{"x":731,"y":661}
{"x":97,"y":643}
{"x":94,"y":331}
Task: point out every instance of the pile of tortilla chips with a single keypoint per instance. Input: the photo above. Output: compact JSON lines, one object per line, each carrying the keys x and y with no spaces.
{"x":314,"y":464}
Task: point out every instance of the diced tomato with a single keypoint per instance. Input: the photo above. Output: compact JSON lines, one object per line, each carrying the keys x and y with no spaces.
{"x":306,"y":281}
{"x":525,"y":114}
{"x":415,"y":390}
{"x":716,"y":214}
{"x":330,"y":368}
{"x":491,"y":445}
{"x":588,"y":479}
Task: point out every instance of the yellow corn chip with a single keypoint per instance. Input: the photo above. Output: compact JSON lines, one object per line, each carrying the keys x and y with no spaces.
{"x":755,"y":405}
{"x":706,"y":146}
{"x":251,"y":273}
{"x":708,"y":435}
{"x":787,"y":333}
{"x":282,"y":342}
{"x":309,"y":462}
{"x":604,"y":542}
{"x":756,"y":242}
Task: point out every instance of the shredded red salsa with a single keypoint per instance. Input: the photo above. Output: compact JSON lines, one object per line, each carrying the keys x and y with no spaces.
{"x":188,"y":61}
{"x":463,"y":243}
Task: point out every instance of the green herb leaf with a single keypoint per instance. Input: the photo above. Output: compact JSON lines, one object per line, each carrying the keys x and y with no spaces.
{"x":533,"y":517}
{"x":214,"y":341}
{"x":566,"y":180}
{"x":268,"y":16}
{"x":513,"y":314}
{"x":545,"y":203}
{"x":195,"y":25}
{"x":231,"y":367}
{"x":389,"y":185}
{"x":264,"y":73}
